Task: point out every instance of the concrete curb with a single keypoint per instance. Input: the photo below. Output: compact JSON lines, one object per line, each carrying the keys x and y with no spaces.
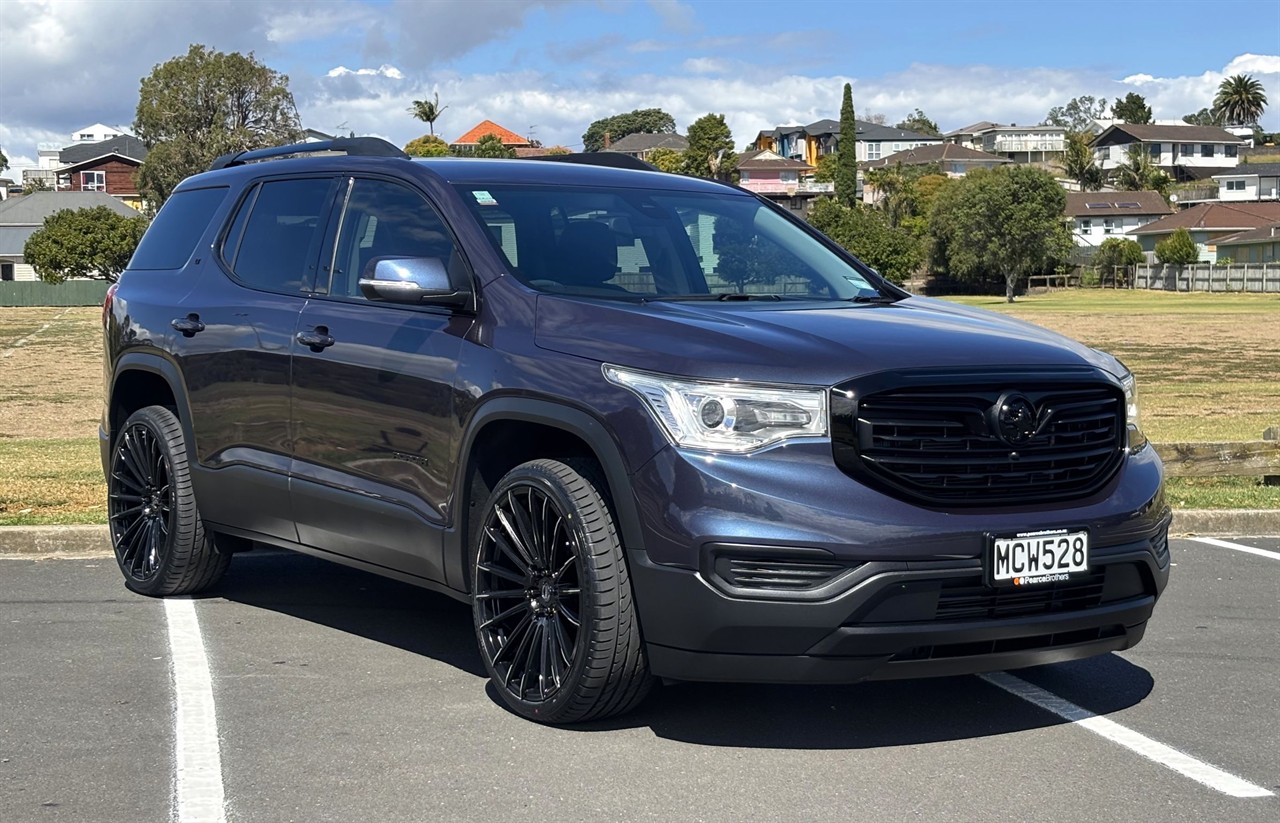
{"x":48,"y":541}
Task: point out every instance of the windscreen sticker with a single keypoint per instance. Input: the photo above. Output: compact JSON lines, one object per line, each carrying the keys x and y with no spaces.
{"x":484,"y":198}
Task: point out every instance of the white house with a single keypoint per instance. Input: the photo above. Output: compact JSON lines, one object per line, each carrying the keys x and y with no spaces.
{"x":20,"y":217}
{"x":1021,"y":144}
{"x":1098,"y":215}
{"x":1186,"y":152}
{"x":49,"y":155}
{"x":1251,"y":181}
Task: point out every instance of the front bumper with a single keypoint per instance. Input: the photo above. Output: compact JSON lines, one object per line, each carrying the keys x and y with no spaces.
{"x":910,"y":601}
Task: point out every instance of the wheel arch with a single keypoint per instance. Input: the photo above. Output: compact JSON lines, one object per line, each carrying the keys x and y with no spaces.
{"x":141,"y":379}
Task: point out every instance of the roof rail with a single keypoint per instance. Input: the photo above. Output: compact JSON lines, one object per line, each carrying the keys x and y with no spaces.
{"x":612,"y":159}
{"x":353,"y":146}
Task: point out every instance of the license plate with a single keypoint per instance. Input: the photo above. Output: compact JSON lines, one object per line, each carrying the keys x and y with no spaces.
{"x":1033,"y":558}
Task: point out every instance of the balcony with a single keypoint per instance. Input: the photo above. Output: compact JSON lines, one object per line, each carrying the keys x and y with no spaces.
{"x":1012,"y":146}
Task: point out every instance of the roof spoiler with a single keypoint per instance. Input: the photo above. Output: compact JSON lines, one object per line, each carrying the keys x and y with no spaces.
{"x":611,"y":159}
{"x":351,"y":146}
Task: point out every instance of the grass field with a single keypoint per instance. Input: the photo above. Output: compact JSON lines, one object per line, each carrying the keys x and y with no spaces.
{"x":1208,"y":368}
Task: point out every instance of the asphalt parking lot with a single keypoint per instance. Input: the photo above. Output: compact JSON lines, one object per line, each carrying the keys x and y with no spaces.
{"x":341,"y":696}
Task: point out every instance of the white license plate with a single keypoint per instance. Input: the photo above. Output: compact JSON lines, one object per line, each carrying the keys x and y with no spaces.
{"x":1032,"y":558}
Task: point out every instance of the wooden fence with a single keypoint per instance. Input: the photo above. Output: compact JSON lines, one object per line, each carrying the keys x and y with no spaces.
{"x":1241,"y":277}
{"x":1250,"y":458}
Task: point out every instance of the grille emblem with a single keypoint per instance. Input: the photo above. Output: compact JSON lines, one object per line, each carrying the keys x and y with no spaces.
{"x":1013,"y":419}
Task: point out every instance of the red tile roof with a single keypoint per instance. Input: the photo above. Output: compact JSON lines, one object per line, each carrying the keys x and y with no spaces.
{"x":507,"y":136}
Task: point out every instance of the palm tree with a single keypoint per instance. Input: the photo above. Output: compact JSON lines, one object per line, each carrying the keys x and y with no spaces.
{"x":1079,"y":163}
{"x":428,"y":111}
{"x":1138,"y":173}
{"x":1240,"y":101}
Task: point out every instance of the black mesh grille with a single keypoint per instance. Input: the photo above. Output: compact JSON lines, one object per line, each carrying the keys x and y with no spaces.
{"x":936,"y":443}
{"x":964,"y":599}
{"x":776,"y":574}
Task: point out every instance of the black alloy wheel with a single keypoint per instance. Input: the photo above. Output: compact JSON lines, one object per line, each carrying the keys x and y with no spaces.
{"x":552,"y":602}
{"x":159,"y":540}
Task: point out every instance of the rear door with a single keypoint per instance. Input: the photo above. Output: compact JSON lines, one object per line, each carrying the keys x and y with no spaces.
{"x":374,"y":428}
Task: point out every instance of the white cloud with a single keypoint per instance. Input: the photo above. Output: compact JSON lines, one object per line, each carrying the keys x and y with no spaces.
{"x":382,"y":71}
{"x":676,"y":16}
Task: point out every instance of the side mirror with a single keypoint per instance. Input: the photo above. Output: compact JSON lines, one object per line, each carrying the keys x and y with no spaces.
{"x":412,"y":280}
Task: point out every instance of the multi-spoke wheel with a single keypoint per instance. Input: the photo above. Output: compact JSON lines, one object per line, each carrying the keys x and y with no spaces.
{"x":160,"y":543}
{"x":552,"y":600}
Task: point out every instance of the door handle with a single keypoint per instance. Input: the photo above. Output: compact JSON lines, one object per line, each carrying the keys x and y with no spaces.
{"x":188,"y":325}
{"x":317,"y":340}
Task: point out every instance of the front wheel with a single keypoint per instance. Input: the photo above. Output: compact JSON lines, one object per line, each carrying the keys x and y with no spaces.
{"x":159,"y":540}
{"x":553,"y":611}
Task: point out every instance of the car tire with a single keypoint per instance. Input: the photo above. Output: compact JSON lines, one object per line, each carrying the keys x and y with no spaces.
{"x":160,"y":542}
{"x":552,"y":602}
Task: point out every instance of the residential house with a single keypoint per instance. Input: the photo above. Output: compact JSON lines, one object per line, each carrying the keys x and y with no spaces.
{"x":21,"y":216}
{"x":1209,"y":222}
{"x":1098,"y":215}
{"x":109,"y":166}
{"x":640,"y":146}
{"x":1020,"y":144}
{"x":1249,"y":181}
{"x":1186,"y":152}
{"x":779,"y":178}
{"x":809,"y":143}
{"x":510,"y":139}
{"x":49,"y":155}
{"x":952,"y":159}
{"x":1260,"y":245}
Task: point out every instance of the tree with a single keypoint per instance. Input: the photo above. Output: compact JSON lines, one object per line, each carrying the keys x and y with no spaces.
{"x":1240,"y":101}
{"x":918,"y":122}
{"x":1005,"y":222}
{"x":866,"y":233}
{"x":4,"y":162}
{"x":618,"y":126}
{"x":1204,"y":117}
{"x":826,"y":170}
{"x":428,"y":111}
{"x":876,"y":118}
{"x":1078,"y":114}
{"x":1117,"y":251}
{"x":710,"y":152}
{"x":1079,"y":163}
{"x":428,"y":145}
{"x":94,"y":243}
{"x":204,"y":104}
{"x":846,"y":176}
{"x":35,"y":184}
{"x":895,"y":189}
{"x":668,"y":160}
{"x":1178,"y":248}
{"x":1138,"y":173}
{"x":491,"y":146}
{"x":1132,"y":109}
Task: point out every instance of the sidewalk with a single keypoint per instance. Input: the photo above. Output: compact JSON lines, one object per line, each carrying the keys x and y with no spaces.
{"x":72,"y":541}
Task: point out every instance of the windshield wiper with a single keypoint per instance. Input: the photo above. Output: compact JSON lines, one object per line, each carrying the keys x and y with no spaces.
{"x":734,"y":297}
{"x":877,"y":299}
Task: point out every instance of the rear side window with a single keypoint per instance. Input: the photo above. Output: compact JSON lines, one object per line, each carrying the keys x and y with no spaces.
{"x":174,"y":233}
{"x":274,"y":240}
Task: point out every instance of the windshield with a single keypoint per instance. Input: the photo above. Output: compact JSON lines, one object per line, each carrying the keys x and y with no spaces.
{"x":653,"y":244}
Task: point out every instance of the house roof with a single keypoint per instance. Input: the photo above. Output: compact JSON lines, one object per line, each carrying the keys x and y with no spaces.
{"x":935,"y":153}
{"x":13,"y":239}
{"x":1113,"y":203}
{"x":1216,"y":217}
{"x":32,"y":209}
{"x":974,"y":128}
{"x":765,"y":160}
{"x":1131,"y":132}
{"x":125,"y":145}
{"x":866,"y":131}
{"x":1262,"y":234}
{"x":484,"y":127}
{"x":1254,"y":169}
{"x":648,"y":142}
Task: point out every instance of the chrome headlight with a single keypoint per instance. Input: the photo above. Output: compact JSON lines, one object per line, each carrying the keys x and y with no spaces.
{"x":1131,"y":412}
{"x":725,"y":417}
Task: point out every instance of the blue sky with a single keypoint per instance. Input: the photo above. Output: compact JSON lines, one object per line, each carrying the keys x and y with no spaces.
{"x":548,"y":69}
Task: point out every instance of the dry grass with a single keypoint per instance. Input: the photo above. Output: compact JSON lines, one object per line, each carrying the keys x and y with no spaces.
{"x":1207,"y":367}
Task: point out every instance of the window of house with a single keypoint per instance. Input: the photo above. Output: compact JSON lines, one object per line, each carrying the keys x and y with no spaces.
{"x":93,"y":181}
{"x":85,"y":136}
{"x":1229,"y":151}
{"x":1086,"y":226}
{"x":788,"y":177}
{"x":745,"y":175}
{"x":1154,"y":149}
{"x":873,"y":151}
{"x":1108,"y":225}
{"x":1105,"y":152}
{"x":1235,"y":185}
{"x":6,"y":272}
{"x":1186,"y":150}
{"x":897,"y":147}
{"x":1206,"y":150}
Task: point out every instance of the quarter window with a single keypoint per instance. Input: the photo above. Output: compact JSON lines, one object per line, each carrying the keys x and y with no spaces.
{"x":274,"y":241}
{"x":173,"y":235}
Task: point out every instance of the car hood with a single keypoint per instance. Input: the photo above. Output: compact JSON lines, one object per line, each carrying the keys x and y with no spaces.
{"x":805,"y":343}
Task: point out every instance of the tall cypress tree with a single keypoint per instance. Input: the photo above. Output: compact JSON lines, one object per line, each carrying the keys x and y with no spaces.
{"x":846,"y":176}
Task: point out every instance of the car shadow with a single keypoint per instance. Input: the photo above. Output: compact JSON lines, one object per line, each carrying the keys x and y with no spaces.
{"x":863,"y":715}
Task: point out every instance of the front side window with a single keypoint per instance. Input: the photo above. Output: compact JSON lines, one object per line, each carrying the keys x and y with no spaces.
{"x":274,"y":240}
{"x":384,"y":219}
{"x":634,"y":243}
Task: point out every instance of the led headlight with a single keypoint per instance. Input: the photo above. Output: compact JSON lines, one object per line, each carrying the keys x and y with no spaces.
{"x":725,"y":417}
{"x":1136,"y":438}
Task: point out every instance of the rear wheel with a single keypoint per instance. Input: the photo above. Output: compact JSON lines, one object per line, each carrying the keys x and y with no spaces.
{"x":552,"y":599}
{"x":159,"y":540}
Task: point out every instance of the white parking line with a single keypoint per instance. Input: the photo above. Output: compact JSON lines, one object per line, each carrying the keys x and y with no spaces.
{"x":1170,"y":758}
{"x":4,"y":355}
{"x":1226,"y":544}
{"x":198,"y":796}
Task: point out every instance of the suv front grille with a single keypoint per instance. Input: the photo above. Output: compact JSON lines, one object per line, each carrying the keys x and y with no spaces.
{"x":938,"y":444}
{"x":962,"y":599}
